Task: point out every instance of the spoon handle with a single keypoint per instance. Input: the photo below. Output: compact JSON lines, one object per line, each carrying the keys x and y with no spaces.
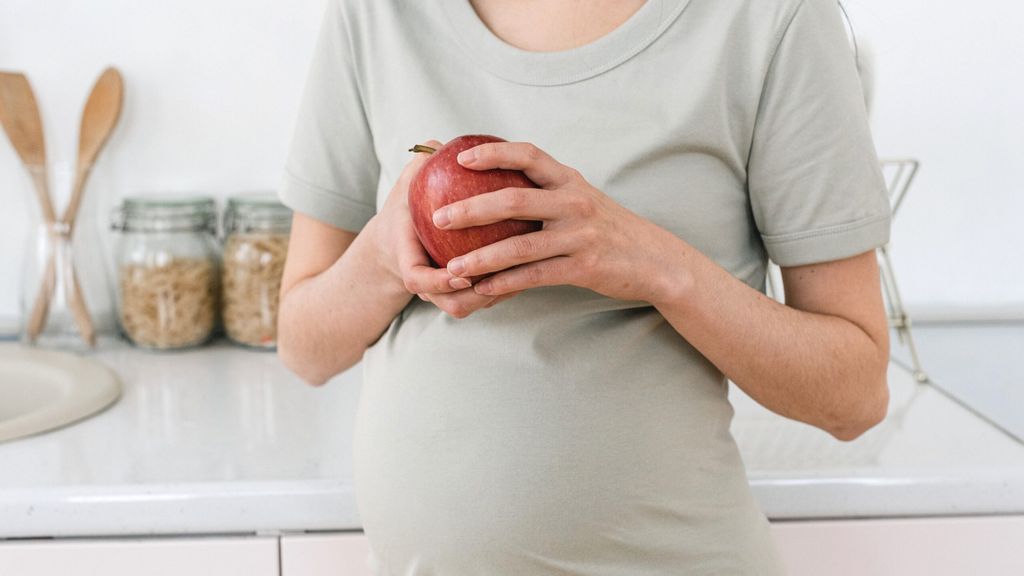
{"x":77,"y":303}
{"x":41,"y":307}
{"x":71,"y":211}
{"x":42,"y":187}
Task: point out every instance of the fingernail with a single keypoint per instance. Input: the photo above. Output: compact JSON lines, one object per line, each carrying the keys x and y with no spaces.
{"x":442,"y":217}
{"x":483,"y":288}
{"x":459,"y":283}
{"x":456,"y":267}
{"x":467,"y":157}
{"x":422,"y":297}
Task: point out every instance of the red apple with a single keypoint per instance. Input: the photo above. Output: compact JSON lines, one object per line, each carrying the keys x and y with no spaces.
{"x":442,"y":181}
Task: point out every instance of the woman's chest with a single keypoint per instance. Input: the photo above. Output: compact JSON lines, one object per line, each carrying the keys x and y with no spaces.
{"x":673,"y":152}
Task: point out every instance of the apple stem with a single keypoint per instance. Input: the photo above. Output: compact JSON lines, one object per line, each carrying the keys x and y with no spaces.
{"x":421,"y":148}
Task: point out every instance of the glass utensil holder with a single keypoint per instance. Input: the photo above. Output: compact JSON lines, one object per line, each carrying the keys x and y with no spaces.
{"x":47,"y":315}
{"x":62,"y":268}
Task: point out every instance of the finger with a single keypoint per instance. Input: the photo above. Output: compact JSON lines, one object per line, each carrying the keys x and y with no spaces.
{"x":459,"y":283}
{"x":462,"y":303}
{"x":504,"y":204}
{"x":503,"y":297}
{"x":421,"y":279}
{"x":511,"y":252}
{"x":550,"y":272}
{"x":544,"y":170}
{"x":409,"y":253}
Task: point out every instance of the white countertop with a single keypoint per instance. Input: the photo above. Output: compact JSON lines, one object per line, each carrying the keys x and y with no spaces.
{"x":930,"y":457}
{"x":978,"y":363}
{"x":225,"y":440}
{"x":214,"y":440}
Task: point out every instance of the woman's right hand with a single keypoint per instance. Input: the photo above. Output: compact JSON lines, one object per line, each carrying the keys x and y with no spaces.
{"x":402,"y":255}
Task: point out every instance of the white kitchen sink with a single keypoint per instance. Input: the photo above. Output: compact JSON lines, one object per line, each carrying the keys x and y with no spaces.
{"x":41,"y":390}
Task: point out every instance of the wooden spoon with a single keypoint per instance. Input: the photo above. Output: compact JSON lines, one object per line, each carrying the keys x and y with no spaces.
{"x":19,"y":115}
{"x":100,"y":115}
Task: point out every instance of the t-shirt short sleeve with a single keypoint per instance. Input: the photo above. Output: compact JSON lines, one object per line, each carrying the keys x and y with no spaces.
{"x":816,"y":189}
{"x":331,"y":172}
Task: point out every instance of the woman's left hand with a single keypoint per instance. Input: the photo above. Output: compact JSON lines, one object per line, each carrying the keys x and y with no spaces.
{"x":588,"y":240}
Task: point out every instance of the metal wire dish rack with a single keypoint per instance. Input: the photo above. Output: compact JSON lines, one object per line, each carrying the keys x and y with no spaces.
{"x":899,"y":175}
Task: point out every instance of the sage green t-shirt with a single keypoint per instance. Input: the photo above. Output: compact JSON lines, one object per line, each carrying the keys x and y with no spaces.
{"x":563,"y":432}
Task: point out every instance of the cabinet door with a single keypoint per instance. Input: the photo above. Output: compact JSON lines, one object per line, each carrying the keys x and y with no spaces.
{"x":334,"y":554}
{"x":932,"y":546}
{"x":193,"y":556}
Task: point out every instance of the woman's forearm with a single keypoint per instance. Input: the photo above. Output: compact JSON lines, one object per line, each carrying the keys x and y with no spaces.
{"x":820,"y":369}
{"x":327,"y":321}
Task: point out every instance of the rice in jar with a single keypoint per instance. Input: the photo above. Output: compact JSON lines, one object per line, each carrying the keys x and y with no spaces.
{"x":256,"y":228}
{"x":168,"y":272}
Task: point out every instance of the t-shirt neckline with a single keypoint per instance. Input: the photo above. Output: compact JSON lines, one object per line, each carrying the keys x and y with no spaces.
{"x":566,"y":66}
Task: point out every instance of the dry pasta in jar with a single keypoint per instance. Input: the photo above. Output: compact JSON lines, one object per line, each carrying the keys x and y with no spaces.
{"x":256,"y":231}
{"x":168,"y":271}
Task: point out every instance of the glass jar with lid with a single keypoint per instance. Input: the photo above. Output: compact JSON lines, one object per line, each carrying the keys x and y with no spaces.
{"x":168,"y":270}
{"x":256,"y":229}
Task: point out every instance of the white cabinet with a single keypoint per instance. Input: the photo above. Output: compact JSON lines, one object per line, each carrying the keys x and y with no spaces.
{"x":192,"y":556}
{"x":932,"y":546}
{"x":334,"y":554}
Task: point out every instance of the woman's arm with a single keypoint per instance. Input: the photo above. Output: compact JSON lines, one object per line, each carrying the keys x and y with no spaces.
{"x":336,"y":298}
{"x":341,"y":290}
{"x":822,"y":359}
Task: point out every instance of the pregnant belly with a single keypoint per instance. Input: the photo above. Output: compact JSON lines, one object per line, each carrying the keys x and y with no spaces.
{"x":542,"y":473}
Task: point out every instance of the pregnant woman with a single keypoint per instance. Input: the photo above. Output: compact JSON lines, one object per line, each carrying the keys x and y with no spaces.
{"x":569,"y":414}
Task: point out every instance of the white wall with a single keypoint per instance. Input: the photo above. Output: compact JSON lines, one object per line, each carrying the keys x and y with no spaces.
{"x":950,"y":91}
{"x":212,"y":87}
